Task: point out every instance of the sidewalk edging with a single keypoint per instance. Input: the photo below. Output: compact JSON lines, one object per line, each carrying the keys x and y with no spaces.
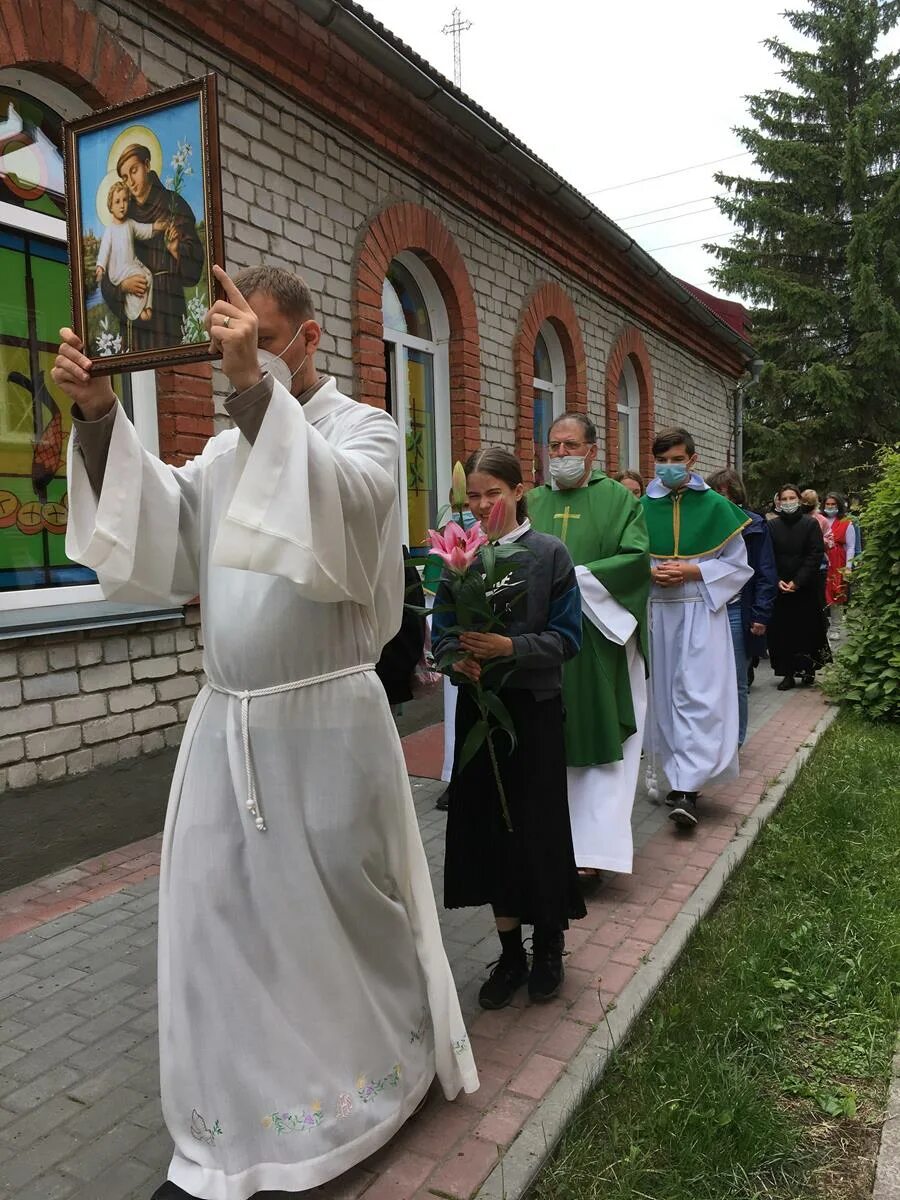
{"x":524,"y":1158}
{"x":887,"y":1172}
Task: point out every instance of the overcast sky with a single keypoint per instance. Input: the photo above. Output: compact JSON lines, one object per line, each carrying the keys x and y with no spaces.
{"x":611,"y":91}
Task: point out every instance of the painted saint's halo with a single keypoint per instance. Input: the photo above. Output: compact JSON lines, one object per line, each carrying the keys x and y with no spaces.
{"x":142,"y":136}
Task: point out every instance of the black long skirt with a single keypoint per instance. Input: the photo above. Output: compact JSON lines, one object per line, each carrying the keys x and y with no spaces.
{"x":528,"y":873}
{"x":798,"y":632}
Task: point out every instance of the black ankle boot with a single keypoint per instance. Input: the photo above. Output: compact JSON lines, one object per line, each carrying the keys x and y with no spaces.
{"x":171,"y":1191}
{"x":509,"y":973}
{"x":547,"y":972}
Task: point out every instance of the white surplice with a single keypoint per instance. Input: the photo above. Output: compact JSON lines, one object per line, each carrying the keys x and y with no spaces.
{"x":306,"y":1000}
{"x":601,"y":798}
{"x":692,"y":727}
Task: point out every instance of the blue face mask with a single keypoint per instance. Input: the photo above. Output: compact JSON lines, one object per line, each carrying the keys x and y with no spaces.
{"x":672,"y":475}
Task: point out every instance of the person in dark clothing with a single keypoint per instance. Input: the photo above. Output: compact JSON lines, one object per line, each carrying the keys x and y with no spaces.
{"x":798,"y":643}
{"x":527,"y":874}
{"x":401,"y":655}
{"x":751,"y":611}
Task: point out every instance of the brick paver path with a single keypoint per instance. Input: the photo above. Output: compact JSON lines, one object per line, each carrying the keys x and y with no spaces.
{"x":79,"y":1093}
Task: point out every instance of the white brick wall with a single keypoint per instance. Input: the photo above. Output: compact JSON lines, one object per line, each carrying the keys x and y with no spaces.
{"x":72,"y":704}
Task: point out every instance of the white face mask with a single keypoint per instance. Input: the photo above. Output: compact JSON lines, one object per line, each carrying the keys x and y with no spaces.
{"x":568,"y":472}
{"x":274,"y":364}
{"x":789,"y":506}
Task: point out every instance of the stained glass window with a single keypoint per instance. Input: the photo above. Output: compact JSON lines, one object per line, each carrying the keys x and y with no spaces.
{"x":35,"y":416}
{"x":31,"y":160}
{"x":404,"y":305}
{"x":543,"y":368}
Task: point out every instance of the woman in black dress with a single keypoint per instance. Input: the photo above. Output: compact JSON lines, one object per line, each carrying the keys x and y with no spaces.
{"x":798,"y":642}
{"x":527,"y":874}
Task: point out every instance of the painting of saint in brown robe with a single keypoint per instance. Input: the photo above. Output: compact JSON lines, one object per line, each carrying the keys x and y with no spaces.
{"x":175,"y":257}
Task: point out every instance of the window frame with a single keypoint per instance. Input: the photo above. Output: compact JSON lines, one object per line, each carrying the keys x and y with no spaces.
{"x":630,"y":456}
{"x":554,"y":387}
{"x":143,"y":384}
{"x":439,"y":349}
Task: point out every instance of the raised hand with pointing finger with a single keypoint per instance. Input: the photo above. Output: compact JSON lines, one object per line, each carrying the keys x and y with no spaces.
{"x":234,"y":332}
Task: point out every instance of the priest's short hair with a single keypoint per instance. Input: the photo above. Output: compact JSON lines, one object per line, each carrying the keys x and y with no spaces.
{"x":587,"y":425}
{"x":290,"y":292}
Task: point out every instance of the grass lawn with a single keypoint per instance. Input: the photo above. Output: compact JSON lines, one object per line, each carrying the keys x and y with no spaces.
{"x":759,"y":1071}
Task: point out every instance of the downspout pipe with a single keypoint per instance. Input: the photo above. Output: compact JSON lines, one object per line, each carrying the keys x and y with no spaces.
{"x":354,"y":26}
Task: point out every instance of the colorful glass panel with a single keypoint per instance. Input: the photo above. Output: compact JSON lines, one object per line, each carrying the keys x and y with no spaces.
{"x":421,"y":456}
{"x":35,"y":417}
{"x":412,"y":302}
{"x":543,"y":418}
{"x":32,"y":175}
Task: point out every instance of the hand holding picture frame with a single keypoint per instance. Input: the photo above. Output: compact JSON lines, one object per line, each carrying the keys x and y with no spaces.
{"x":145,"y":226}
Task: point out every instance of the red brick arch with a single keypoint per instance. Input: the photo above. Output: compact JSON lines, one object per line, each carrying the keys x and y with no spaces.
{"x":415,"y":228}
{"x":58,"y":39}
{"x":629,"y":344}
{"x":548,"y":302}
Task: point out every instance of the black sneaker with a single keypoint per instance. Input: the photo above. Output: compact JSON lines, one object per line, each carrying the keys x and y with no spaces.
{"x":547,"y":972}
{"x":807,"y":681}
{"x":786,"y":684}
{"x":673,"y":797}
{"x":684,"y":812}
{"x":171,"y":1191}
{"x":504,"y":981}
{"x":443,"y":801}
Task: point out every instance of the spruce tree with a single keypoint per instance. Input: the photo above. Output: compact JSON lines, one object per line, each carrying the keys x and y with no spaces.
{"x":818,"y":252}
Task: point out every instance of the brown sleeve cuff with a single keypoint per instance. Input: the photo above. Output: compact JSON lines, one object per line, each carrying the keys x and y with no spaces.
{"x":92,"y":439}
{"x":248,"y":409}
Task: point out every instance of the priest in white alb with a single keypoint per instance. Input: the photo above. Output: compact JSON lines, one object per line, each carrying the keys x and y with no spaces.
{"x":699,"y":565}
{"x":305,"y":998}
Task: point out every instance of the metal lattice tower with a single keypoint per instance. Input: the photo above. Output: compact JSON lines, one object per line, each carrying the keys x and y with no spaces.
{"x":457,"y":28}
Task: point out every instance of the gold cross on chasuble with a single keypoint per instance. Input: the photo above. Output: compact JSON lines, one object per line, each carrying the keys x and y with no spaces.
{"x":566,"y":517}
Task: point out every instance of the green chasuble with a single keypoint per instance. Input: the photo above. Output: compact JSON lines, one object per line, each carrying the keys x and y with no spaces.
{"x":603,"y":527}
{"x":690,"y":523}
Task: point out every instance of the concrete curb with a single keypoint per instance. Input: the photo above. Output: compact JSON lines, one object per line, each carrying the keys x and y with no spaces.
{"x":887,"y":1172}
{"x":517,"y":1169}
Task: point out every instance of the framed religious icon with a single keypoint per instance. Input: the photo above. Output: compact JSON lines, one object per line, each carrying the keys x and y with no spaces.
{"x":145,"y":226}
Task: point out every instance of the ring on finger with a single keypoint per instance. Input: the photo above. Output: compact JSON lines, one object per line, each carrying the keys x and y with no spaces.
{"x":226,"y":321}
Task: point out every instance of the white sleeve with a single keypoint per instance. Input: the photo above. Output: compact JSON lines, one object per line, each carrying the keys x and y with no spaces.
{"x":602,"y":609}
{"x":105,"y":249}
{"x":850,"y":541}
{"x":142,"y":533}
{"x":142,"y":230}
{"x":723,"y":577}
{"x":321,"y":513}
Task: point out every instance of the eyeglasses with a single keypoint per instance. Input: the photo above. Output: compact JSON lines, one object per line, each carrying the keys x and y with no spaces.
{"x":557,"y":446}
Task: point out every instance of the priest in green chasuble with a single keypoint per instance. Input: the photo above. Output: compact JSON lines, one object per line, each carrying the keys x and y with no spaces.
{"x":699,"y":565}
{"x":605,"y":685}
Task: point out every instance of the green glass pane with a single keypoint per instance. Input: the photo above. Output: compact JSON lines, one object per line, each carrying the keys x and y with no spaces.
{"x":13,"y":314}
{"x":51,"y":298}
{"x":31,"y":167}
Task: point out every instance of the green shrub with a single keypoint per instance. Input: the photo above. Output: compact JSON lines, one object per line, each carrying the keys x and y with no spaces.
{"x":866,"y":673}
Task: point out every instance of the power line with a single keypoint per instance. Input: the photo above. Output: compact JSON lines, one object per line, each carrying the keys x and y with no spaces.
{"x":665,"y":220}
{"x":666,"y":174}
{"x":693,"y":241}
{"x":666,"y":208}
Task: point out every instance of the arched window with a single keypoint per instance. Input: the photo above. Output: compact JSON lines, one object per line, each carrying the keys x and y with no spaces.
{"x":549,"y":394}
{"x":35,"y":416}
{"x":628,"y":404}
{"x":416,"y":339}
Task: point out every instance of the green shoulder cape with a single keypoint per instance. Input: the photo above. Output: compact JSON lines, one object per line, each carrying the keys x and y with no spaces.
{"x":603,"y":527}
{"x":689,"y":523}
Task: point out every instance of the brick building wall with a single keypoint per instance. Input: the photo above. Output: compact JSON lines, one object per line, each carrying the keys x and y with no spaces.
{"x":324,"y":194}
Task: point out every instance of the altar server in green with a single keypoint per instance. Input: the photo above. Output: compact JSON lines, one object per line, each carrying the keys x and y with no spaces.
{"x":699,"y":565}
{"x":605,"y":685}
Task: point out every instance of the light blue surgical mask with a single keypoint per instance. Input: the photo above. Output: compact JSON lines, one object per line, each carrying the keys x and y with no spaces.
{"x":672,"y":475}
{"x":830,"y":510}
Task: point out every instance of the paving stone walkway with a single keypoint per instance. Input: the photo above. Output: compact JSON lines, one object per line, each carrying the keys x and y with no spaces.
{"x":79,"y":1091}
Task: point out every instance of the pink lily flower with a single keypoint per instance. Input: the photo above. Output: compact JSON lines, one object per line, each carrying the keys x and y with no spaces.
{"x":457,"y":547}
{"x":496,"y":520}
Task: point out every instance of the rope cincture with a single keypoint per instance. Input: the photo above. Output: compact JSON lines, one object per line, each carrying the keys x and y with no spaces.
{"x":252,"y":803}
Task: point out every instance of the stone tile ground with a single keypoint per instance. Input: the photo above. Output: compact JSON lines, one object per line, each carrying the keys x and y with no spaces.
{"x":79,"y":1094}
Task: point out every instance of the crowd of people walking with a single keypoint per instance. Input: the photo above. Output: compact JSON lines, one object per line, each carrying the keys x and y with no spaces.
{"x":624,"y":626}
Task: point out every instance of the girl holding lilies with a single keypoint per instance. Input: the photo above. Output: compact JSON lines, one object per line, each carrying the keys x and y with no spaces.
{"x":509,"y":842}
